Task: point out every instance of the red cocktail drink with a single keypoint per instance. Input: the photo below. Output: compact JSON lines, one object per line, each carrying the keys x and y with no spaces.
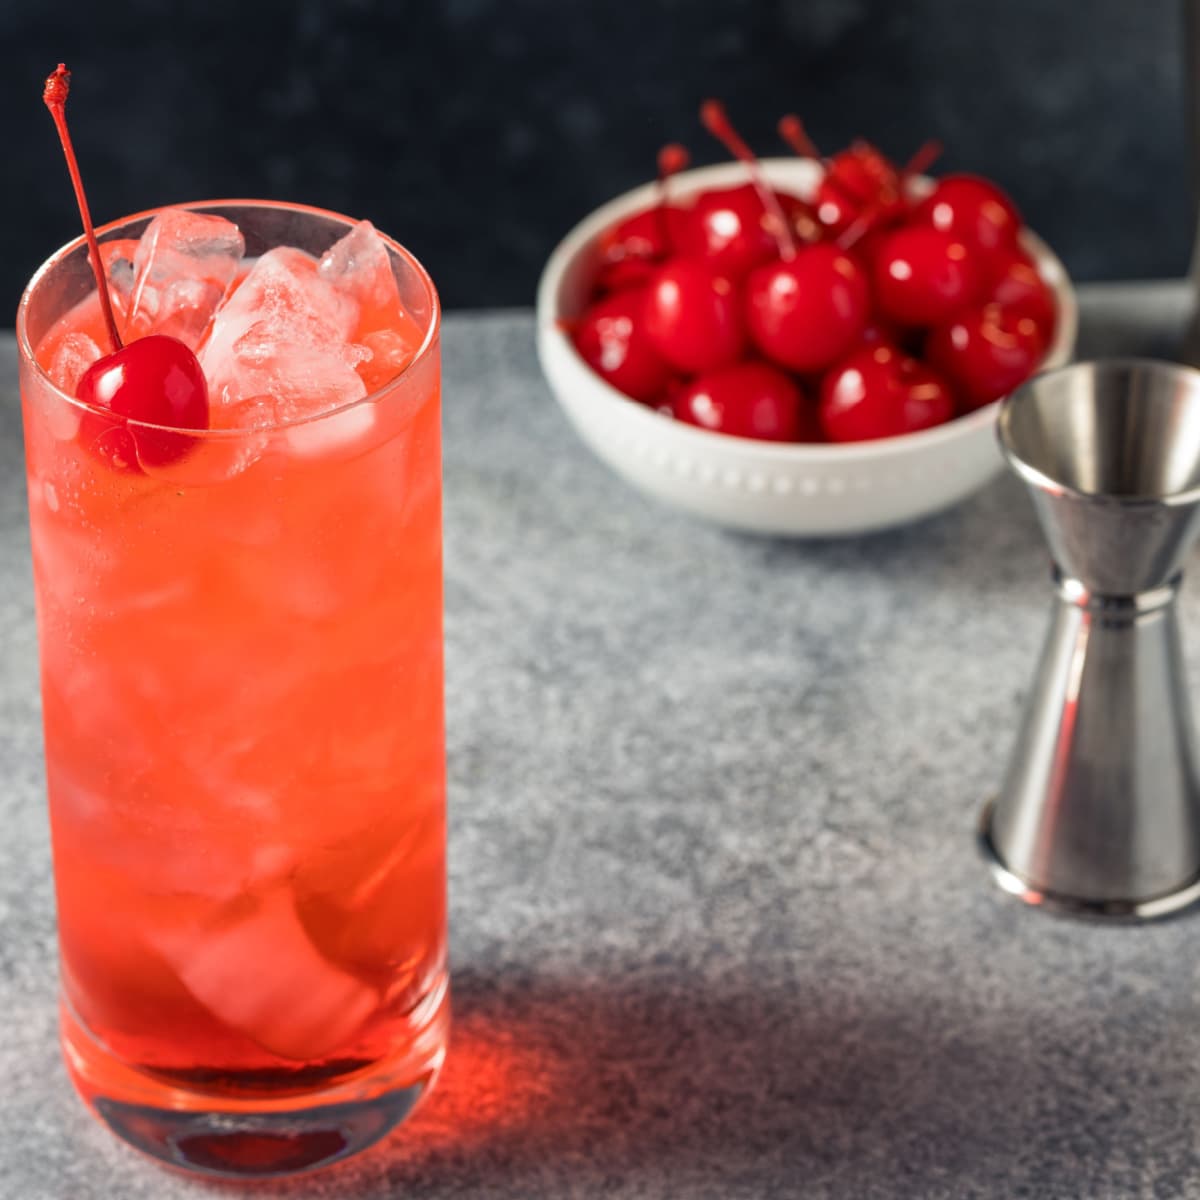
{"x":241,"y":656}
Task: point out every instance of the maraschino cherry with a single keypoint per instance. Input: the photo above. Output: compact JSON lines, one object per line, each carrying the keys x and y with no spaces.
{"x":1016,"y":283}
{"x":924,"y":276}
{"x":859,"y":180}
{"x":905,"y":303}
{"x":735,"y":229}
{"x":806,"y":312}
{"x":156,"y":379}
{"x":975,"y":210}
{"x":612,"y":341}
{"x":808,"y":308}
{"x":728,"y":229}
{"x":856,"y":180}
{"x":986,"y":352}
{"x":749,"y":399}
{"x":890,"y":207}
{"x":693,"y":316}
{"x":772,"y":220}
{"x":632,"y":248}
{"x":881,"y":392}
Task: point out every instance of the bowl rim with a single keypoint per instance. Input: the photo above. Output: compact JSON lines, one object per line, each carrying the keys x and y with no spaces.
{"x":801,"y":173}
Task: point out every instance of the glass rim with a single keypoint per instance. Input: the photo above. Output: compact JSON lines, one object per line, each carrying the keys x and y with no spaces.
{"x":26,"y":350}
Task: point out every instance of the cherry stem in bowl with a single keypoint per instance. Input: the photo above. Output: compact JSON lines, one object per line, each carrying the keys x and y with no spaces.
{"x":716,"y":120}
{"x":792,"y":130}
{"x":922,"y":160}
{"x":58,"y":85}
{"x":672,"y":159}
{"x":857,"y":228}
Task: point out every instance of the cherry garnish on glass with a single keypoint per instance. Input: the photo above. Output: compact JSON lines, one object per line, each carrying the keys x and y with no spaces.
{"x":156,"y":379}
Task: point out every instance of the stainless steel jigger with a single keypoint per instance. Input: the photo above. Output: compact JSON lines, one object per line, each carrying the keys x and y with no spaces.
{"x":1100,"y":811}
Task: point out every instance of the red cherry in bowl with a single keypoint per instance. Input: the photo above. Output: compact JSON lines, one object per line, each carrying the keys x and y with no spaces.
{"x":612,"y":340}
{"x":974,"y":210}
{"x":986,"y":352}
{"x":836,"y":210}
{"x":653,"y":234}
{"x":749,"y":399}
{"x":622,"y":275}
{"x":806,"y":309}
{"x":633,"y":249}
{"x":806,"y":312}
{"x":882,"y":392}
{"x":650,"y":235}
{"x":859,"y":181}
{"x":1017,"y":283}
{"x":923,"y":276}
{"x":835,"y":207}
{"x":730,"y":229}
{"x":865,"y":172}
{"x":692,"y":316}
{"x":737,"y":229}
{"x":862,"y":189}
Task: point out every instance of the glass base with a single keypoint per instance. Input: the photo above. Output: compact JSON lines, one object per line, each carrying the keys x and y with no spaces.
{"x":238,"y":1145}
{"x":206,"y":1134}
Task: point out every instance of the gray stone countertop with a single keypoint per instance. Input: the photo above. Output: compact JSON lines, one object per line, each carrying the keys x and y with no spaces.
{"x":718,"y":927}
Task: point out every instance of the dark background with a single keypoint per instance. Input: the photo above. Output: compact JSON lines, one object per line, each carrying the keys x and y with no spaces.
{"x":478,"y":131}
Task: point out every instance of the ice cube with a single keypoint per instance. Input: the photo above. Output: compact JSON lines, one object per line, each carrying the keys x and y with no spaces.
{"x":266,"y":342}
{"x":280,"y":347}
{"x":185,"y":263}
{"x":276,"y":382}
{"x":283,"y":294}
{"x":337,"y":433}
{"x":75,"y":353}
{"x":359,"y":266}
{"x":117,"y":257}
{"x":376,"y":904}
{"x":391,"y":351}
{"x":256,"y":970}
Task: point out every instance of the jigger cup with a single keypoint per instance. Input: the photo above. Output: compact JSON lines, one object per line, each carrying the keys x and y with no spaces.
{"x":1099,"y":814}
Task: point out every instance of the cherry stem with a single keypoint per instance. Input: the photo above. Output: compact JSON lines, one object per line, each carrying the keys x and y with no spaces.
{"x":716,"y":120}
{"x":924,"y":158}
{"x":58,"y":85}
{"x":672,"y":159}
{"x":857,"y":228}
{"x":792,"y":130}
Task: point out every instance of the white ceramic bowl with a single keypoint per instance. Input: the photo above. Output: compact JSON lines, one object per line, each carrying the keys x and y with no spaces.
{"x":800,"y":490}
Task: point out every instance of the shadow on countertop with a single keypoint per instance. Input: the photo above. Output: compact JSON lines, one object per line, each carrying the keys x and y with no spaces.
{"x":732,"y":1091}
